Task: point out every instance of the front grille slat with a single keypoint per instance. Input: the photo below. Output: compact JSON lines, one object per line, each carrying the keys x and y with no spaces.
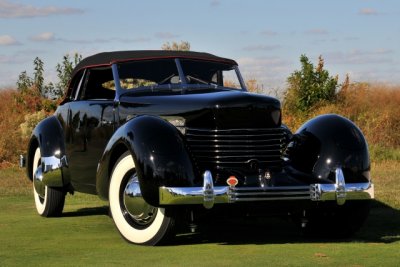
{"x":258,"y":136}
{"x":271,"y":163}
{"x":236,"y":148}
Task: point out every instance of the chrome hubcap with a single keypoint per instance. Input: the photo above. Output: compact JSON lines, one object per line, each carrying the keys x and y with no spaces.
{"x":137,"y":208}
{"x":38,"y":182}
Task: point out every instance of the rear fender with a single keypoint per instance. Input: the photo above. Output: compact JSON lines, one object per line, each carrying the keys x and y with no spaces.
{"x":326,"y":143}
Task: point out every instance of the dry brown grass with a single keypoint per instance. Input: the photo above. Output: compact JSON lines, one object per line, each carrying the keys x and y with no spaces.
{"x":14,"y":182}
{"x":11,"y":116}
{"x":375,"y":109}
{"x":385,"y":175}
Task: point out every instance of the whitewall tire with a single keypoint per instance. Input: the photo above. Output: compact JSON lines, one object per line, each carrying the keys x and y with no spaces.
{"x":52,"y":203}
{"x":145,"y":225}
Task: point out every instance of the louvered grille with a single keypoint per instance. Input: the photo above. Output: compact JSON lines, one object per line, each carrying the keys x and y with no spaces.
{"x":236,"y":148}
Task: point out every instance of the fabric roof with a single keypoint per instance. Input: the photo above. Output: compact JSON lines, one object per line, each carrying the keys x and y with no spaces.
{"x":108,"y":58}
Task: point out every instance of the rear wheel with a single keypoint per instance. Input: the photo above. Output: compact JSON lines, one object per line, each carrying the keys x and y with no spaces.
{"x":51,"y":203}
{"x":333,"y":221}
{"x":136,"y":220}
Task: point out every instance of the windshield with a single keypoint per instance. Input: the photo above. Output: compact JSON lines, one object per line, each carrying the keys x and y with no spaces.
{"x":177,"y":74}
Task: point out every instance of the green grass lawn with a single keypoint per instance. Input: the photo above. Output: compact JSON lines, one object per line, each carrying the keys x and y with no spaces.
{"x":86,"y":235}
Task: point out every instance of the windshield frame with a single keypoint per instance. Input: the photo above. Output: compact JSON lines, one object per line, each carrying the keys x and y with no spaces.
{"x":183,"y":85}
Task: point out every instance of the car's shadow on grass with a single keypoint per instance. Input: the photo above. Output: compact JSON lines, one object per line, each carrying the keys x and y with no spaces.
{"x":382,"y":226}
{"x":104,"y":210}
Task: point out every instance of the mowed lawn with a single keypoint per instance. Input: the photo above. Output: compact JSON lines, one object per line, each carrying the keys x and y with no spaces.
{"x":86,"y":236}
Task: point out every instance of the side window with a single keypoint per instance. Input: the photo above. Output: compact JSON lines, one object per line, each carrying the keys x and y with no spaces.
{"x":75,"y":85}
{"x":95,"y":84}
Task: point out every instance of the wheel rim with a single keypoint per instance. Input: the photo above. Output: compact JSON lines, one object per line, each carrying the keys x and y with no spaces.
{"x":134,"y":208}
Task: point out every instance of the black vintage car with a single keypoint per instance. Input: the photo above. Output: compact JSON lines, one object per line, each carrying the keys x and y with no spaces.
{"x":166,"y":135}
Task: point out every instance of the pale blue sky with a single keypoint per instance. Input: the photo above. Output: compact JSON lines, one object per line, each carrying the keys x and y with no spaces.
{"x":266,"y":38}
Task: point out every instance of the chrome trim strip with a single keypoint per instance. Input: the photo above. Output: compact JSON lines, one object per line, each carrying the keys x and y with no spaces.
{"x":269,"y":198}
{"x":208,"y":195}
{"x":263,"y":193}
{"x":272,"y":189}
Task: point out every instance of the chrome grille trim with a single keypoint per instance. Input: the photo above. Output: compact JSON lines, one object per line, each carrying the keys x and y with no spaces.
{"x":214,"y":148}
{"x":271,"y":193}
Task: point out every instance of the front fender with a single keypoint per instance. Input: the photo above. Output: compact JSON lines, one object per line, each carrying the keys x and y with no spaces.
{"x":159,"y":154}
{"x":327,"y":142}
{"x":48,"y":135}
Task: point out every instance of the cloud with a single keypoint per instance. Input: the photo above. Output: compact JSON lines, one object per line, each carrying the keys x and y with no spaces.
{"x":7,"y":78}
{"x":16,"y":58}
{"x":8,"y":40}
{"x":166,"y":35}
{"x":271,"y":72}
{"x":269,"y":33}
{"x":389,"y":76}
{"x":5,"y":59}
{"x":51,"y":37}
{"x":16,"y":10}
{"x":351,"y":38}
{"x":317,"y":31}
{"x":43,"y":37}
{"x":367,"y":11}
{"x":215,"y":3}
{"x":359,"y":57}
{"x":261,"y":47}
{"x":137,"y":40}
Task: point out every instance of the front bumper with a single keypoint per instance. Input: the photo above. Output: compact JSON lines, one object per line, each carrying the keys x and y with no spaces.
{"x":208,"y":195}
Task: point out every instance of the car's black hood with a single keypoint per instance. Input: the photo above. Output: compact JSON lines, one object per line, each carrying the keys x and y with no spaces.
{"x":219,"y":110}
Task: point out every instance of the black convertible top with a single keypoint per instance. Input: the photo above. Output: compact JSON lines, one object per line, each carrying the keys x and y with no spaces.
{"x":108,"y":58}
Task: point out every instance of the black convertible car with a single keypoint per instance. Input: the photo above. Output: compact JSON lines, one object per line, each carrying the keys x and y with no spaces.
{"x":165,"y":136}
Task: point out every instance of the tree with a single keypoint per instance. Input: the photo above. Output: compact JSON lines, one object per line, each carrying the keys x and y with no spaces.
{"x":36,"y":85}
{"x":309,"y":86}
{"x":182,"y":46}
{"x":38,"y":79}
{"x":24,"y":82}
{"x":64,"y":72}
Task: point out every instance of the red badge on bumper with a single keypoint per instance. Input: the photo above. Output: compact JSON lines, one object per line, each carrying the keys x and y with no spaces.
{"x":232,"y":181}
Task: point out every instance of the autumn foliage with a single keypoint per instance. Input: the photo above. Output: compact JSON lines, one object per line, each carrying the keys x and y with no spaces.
{"x":15,"y":108}
{"x":375,"y":109}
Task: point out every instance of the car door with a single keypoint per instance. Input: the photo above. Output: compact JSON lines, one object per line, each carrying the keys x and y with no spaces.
{"x":90,"y":126}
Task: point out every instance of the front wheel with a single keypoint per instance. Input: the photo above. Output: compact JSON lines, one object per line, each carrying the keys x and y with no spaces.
{"x":51,"y":203}
{"x":136,"y":220}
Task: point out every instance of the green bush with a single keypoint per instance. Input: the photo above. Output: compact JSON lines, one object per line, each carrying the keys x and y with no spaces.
{"x":309,"y":87}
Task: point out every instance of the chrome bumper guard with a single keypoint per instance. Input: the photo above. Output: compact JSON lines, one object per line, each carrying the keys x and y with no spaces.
{"x":49,"y":173}
{"x":208,"y":195}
